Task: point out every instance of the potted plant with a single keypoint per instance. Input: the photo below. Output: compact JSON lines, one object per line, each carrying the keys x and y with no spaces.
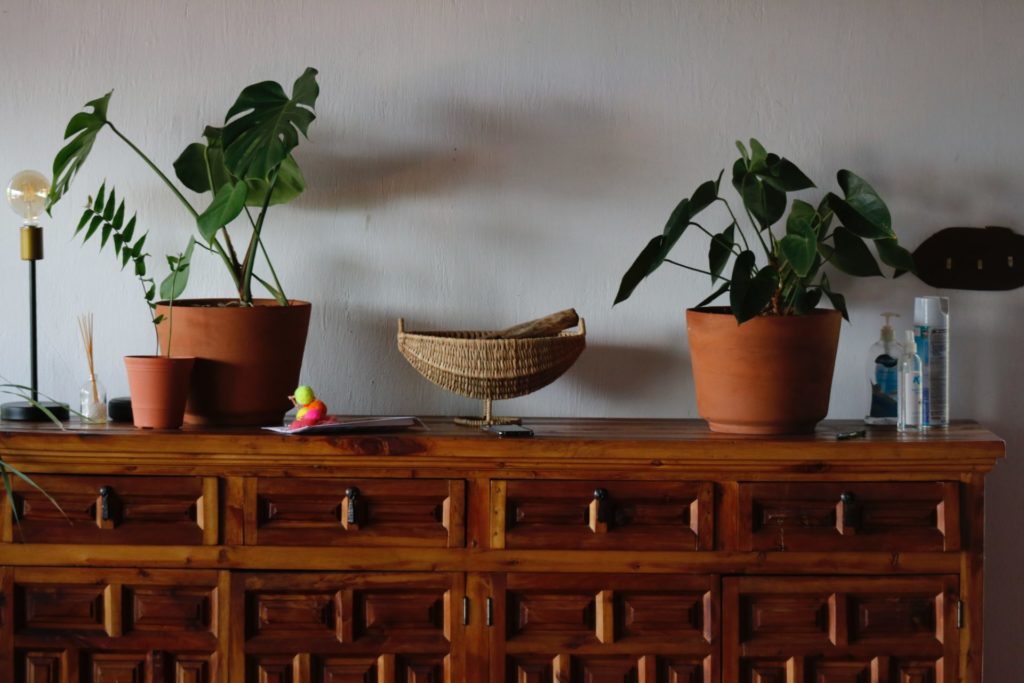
{"x":764,"y":363}
{"x":158,"y":384}
{"x":248,"y":350}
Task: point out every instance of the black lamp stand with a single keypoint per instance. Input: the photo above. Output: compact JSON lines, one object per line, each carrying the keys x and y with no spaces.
{"x":32,"y":411}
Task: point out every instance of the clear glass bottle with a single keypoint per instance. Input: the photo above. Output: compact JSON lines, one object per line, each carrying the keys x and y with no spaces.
{"x":92,"y":401}
{"x":911,"y":395}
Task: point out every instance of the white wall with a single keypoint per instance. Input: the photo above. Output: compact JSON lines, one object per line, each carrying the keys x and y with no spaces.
{"x":479,"y":163}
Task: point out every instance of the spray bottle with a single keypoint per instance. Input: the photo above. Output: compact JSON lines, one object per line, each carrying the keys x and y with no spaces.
{"x":883,"y":373}
{"x":931,"y":334}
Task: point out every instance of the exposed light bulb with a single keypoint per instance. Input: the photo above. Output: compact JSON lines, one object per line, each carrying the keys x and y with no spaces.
{"x":26,"y":193}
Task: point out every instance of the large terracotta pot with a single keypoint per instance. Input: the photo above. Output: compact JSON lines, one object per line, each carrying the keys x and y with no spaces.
{"x":770,"y":375}
{"x":247,"y":358}
{"x":158,"y":387}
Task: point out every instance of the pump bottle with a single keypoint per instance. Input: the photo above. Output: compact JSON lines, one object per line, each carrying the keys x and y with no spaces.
{"x":883,"y":359}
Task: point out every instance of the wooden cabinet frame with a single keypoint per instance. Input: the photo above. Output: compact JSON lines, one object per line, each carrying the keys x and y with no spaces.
{"x":573,"y":577}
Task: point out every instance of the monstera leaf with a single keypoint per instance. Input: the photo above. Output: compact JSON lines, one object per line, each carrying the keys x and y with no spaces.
{"x":201,"y":168}
{"x":82,"y":129}
{"x":263,"y":125}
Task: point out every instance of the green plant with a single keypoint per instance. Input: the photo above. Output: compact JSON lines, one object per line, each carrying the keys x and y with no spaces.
{"x":244,"y":164}
{"x":104,"y":216}
{"x":8,"y":470}
{"x":789,"y":281}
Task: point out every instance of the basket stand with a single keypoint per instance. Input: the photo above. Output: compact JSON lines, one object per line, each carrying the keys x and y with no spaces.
{"x":488,"y":418}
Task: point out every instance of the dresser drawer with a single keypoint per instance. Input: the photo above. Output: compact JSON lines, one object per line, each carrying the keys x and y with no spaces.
{"x":356,"y":512}
{"x":824,"y":516}
{"x":123,"y":510}
{"x":602,"y":515}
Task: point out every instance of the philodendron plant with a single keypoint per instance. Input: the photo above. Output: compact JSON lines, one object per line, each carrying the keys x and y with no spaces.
{"x":246,"y":164}
{"x":788,"y":280}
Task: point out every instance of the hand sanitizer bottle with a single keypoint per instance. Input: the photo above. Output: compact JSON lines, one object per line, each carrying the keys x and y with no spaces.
{"x":883,"y":373}
{"x":910,"y":388}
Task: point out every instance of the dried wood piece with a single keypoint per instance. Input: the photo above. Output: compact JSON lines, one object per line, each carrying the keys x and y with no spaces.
{"x":548,"y":326}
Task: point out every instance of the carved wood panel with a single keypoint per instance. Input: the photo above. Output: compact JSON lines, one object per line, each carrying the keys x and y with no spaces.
{"x":347,"y":628}
{"x":823,"y":516}
{"x":356,"y":512}
{"x":607,"y":515}
{"x":605,"y":629}
{"x":116,"y":510}
{"x":112,"y":626}
{"x":840,"y":630}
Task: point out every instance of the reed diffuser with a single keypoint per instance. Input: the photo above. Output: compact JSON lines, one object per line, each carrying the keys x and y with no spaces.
{"x":92,"y":396}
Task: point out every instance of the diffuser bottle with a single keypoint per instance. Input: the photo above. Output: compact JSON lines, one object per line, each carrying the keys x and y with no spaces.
{"x":92,"y":400}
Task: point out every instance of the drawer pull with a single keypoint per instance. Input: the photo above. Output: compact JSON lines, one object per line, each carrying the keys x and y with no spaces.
{"x":105,"y":508}
{"x":847,"y":514}
{"x":599,"y":512}
{"x":350,"y":517}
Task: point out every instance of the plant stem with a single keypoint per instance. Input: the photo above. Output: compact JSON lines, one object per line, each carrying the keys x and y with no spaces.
{"x":739,"y":228}
{"x":170,"y":309}
{"x":683,"y":265}
{"x":250,"y":253}
{"x":156,"y":169}
{"x":757,"y":232}
{"x":281,"y":298}
{"x":177,"y":193}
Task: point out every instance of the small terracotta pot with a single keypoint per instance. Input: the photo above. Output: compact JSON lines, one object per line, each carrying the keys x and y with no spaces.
{"x":159,"y":387}
{"x":247,"y":358}
{"x":770,"y":375}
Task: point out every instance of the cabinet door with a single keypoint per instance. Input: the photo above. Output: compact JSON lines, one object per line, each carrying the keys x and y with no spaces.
{"x":857,"y":630}
{"x":111,"y":626}
{"x":568,"y":628}
{"x":347,"y":628}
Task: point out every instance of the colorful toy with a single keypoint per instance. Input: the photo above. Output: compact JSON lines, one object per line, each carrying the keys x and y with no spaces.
{"x":311,"y":410}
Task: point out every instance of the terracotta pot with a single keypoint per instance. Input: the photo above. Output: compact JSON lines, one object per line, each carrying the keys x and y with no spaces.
{"x":247,"y":359}
{"x":159,"y":388}
{"x":770,"y":375}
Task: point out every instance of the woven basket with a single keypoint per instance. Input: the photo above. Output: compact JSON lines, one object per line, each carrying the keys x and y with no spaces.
{"x":490,"y":369}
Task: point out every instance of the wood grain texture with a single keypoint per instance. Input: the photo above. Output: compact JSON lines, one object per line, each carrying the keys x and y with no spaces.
{"x":703,"y":558}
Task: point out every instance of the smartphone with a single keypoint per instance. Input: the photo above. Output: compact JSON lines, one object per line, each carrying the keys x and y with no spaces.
{"x":509,"y":431}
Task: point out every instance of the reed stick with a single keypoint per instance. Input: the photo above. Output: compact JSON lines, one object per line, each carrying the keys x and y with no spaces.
{"x":85,"y":328}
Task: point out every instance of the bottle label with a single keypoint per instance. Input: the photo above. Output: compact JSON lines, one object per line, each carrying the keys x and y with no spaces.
{"x":933,"y":348}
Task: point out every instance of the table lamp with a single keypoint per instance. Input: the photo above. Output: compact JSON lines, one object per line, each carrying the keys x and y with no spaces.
{"x":26,"y":194}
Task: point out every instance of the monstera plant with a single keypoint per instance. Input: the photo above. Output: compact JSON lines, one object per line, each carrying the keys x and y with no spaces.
{"x":248,"y":350}
{"x":764,"y":364}
{"x":243,"y":167}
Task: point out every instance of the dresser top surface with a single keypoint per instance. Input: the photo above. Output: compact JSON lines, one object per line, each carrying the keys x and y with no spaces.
{"x":575,"y":443}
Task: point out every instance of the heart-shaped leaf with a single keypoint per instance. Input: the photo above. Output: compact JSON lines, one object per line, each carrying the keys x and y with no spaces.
{"x":892,"y":254}
{"x":720,"y":251}
{"x":82,"y":129}
{"x":750,"y":292}
{"x":263,"y":125}
{"x":225,"y":207}
{"x":838,"y":301}
{"x":173,"y":286}
{"x":644,"y":264}
{"x":852,"y":256}
{"x":766,"y":204}
{"x":863,"y":211}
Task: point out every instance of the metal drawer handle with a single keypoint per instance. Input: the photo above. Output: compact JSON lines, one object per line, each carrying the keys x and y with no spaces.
{"x":105,"y":508}
{"x":599,"y":511}
{"x":351,"y":519}
{"x":847,"y":513}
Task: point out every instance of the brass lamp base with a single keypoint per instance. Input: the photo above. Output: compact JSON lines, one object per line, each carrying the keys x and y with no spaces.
{"x":23,"y":411}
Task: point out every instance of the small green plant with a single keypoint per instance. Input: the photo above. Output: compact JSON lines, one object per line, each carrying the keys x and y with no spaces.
{"x":789,"y":280}
{"x":7,"y":470}
{"x":245,"y":164}
{"x":104,"y":216}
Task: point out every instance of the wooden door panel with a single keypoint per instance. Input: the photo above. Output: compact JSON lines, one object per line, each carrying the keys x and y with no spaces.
{"x":113,"y":625}
{"x":825,"y":516}
{"x":107,"y":510}
{"x":608,"y":515}
{"x":592,"y":627}
{"x":342,"y":627}
{"x":357,"y":512}
{"x":838,"y":630}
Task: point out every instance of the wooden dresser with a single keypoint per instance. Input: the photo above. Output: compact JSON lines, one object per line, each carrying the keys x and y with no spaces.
{"x":599,"y":551}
